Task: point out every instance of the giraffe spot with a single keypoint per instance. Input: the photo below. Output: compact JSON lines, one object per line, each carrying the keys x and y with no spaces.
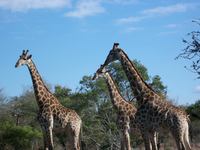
{"x":151,"y":93}
{"x":39,"y":83}
{"x":40,"y":88}
{"x":41,"y":92}
{"x":129,"y":112}
{"x":122,"y":103}
{"x":151,"y":98}
{"x":40,"y":102}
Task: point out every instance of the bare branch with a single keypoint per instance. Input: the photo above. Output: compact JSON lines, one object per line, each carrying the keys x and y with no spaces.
{"x":192,"y":50}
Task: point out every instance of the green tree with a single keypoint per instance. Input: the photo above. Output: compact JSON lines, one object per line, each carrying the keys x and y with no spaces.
{"x":3,"y":106}
{"x":2,"y":97}
{"x":61,"y":92}
{"x":158,"y":85}
{"x":194,"y":110}
{"x":17,"y":137}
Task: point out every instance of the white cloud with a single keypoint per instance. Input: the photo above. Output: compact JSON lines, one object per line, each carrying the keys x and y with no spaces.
{"x":24,"y":5}
{"x":166,"y":10}
{"x":123,"y":2}
{"x":132,"y":29}
{"x":167,"y":33}
{"x":131,"y":19}
{"x":86,"y":8}
{"x":172,"y":25}
{"x":158,"y":11}
{"x":197,"y":89}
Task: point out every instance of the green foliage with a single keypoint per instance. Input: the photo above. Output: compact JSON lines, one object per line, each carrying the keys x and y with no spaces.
{"x":18,"y":137}
{"x":2,"y":97}
{"x":158,"y":85}
{"x":61,"y":92}
{"x":194,"y":110}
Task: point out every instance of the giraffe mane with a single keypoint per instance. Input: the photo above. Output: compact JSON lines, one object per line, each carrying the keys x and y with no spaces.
{"x":117,"y":87}
{"x":137,"y":70}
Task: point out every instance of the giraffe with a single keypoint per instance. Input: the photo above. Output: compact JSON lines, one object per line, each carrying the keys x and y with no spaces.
{"x":50,"y":109}
{"x":125,"y":110}
{"x":153,"y":110}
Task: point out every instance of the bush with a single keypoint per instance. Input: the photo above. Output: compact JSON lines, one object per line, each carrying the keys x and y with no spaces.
{"x":17,"y":137}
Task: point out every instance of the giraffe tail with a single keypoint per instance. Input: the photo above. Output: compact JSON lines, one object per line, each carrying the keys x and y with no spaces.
{"x":186,"y":135}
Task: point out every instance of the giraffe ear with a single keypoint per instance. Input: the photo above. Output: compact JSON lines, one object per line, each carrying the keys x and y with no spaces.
{"x":29,"y":56}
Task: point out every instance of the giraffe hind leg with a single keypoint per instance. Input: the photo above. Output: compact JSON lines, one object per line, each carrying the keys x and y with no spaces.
{"x":179,"y":139}
{"x":181,"y":135}
{"x":74,"y":136}
{"x":186,"y":137}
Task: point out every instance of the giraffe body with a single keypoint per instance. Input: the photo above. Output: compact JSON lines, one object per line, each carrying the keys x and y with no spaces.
{"x":153,"y":111}
{"x":126,"y":111}
{"x":50,"y":109}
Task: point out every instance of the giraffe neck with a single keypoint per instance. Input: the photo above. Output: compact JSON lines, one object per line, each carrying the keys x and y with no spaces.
{"x":40,"y":89}
{"x":116,"y":98}
{"x":139,"y":87}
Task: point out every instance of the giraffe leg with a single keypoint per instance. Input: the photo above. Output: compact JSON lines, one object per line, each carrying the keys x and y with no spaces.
{"x":126,"y":135}
{"x":50,"y":134}
{"x":122,"y":143}
{"x":153,"y":138}
{"x":47,"y":132}
{"x":43,"y":127}
{"x":75,"y":128}
{"x":45,"y":138}
{"x":77,"y":138}
{"x":158,"y":141}
{"x":186,"y":137}
{"x":146,"y":139}
{"x":127,"y":140}
{"x":121,"y":127}
{"x":178,"y":138}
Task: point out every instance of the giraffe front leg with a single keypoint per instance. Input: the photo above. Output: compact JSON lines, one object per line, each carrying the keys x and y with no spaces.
{"x":123,"y":147}
{"x":127,"y":139}
{"x":42,"y":123}
{"x":50,"y":133}
{"x":153,"y":138}
{"x":45,"y":141}
{"x":127,"y":136}
{"x":120,"y":126}
{"x":146,"y":139}
{"x":47,"y":127}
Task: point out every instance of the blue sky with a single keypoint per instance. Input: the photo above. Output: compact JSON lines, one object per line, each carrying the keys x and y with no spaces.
{"x":69,"y":39}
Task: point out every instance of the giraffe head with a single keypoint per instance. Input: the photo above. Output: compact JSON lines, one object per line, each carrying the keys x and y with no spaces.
{"x":113,"y":55}
{"x":24,"y":59}
{"x":100,"y":73}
